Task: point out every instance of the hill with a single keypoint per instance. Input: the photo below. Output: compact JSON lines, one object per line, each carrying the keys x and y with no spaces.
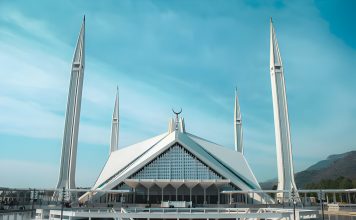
{"x":333,"y":167}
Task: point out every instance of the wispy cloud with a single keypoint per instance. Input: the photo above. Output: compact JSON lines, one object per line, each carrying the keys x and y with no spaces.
{"x":175,"y":55}
{"x":39,"y":29}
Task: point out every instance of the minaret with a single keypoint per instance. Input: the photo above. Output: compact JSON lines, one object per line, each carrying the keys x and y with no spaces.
{"x":181,"y":125}
{"x":115,"y":125}
{"x":171,"y":125}
{"x":70,"y":137}
{"x":238,"y":125}
{"x":281,"y":121}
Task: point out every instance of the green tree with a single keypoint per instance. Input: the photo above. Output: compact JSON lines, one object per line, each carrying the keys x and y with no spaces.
{"x":345,"y":184}
{"x":338,"y":183}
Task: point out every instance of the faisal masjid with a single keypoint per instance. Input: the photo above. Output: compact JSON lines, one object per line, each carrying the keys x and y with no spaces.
{"x":177,"y":165}
{"x":176,"y":174}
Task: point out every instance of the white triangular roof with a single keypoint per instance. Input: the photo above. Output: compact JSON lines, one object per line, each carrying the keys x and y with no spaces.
{"x":126,"y":161}
{"x":121,"y":158}
{"x":228,"y":157}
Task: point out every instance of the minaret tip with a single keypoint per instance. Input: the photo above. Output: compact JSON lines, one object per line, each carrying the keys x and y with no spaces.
{"x":114,"y":143}
{"x":237,"y":125}
{"x":275,"y":56}
{"x":270,"y":19}
{"x":182,"y":125}
{"x":78,"y":57}
{"x":84,"y":18}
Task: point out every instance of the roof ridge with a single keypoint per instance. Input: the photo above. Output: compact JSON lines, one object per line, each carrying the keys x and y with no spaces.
{"x":190,"y":134}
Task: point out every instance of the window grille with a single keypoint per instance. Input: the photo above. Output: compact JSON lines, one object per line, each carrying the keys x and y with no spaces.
{"x":176,"y":163}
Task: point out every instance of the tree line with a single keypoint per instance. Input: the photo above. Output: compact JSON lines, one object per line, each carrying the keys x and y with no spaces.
{"x":338,"y":183}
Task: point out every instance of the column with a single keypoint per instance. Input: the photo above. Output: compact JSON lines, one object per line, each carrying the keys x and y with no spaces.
{"x":161,"y":185}
{"x":190,"y":194}
{"x":162,"y":194}
{"x":334,"y":197}
{"x":205,"y":185}
{"x":218,"y":195}
{"x":204,"y":195}
{"x":327,"y":198}
{"x":191,"y":185}
{"x":134,"y":195}
{"x":176,"y":185}
{"x":305,"y":198}
{"x":177,"y":194}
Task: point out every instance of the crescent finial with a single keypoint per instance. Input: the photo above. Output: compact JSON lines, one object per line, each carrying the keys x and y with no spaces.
{"x":177,"y":113}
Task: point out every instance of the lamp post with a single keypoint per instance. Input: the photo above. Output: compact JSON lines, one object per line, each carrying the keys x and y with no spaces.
{"x":33,"y":202}
{"x":292,"y":197}
{"x":321,"y":196}
{"x":62,"y":206}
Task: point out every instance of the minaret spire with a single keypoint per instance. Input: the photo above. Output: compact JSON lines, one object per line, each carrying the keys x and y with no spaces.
{"x":275,"y":56}
{"x":70,"y":137}
{"x":237,"y":125}
{"x":115,"y":125}
{"x":281,"y":121}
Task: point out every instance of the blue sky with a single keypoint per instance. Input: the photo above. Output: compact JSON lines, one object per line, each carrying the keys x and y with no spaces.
{"x":165,"y":54}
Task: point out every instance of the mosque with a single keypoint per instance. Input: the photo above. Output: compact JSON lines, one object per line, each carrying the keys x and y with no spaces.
{"x":176,"y":166}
